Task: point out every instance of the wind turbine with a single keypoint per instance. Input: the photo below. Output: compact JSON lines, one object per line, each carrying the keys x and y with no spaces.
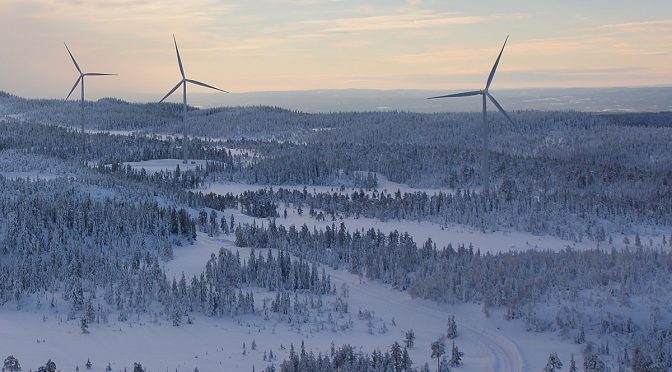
{"x":486,"y":94}
{"x":81,"y":77}
{"x":184,"y":82}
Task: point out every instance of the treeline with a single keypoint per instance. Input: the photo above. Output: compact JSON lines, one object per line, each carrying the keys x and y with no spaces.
{"x":571,"y":217}
{"x":112,"y":245}
{"x":347,"y":359}
{"x":107,"y":245}
{"x":545,"y":182}
{"x":461,"y":274}
{"x":515,"y":281}
{"x":104,"y":148}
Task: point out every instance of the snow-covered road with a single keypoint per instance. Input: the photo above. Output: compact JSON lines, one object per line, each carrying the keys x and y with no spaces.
{"x":485,"y":350}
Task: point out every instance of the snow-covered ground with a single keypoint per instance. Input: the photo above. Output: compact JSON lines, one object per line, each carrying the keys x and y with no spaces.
{"x":16,"y":164}
{"x":489,"y":343}
{"x":493,"y":242}
{"x":384,"y":184}
{"x":110,"y":132}
{"x":30,"y":175}
{"x":442,"y":235}
{"x":37,"y":333}
{"x":158,"y":165}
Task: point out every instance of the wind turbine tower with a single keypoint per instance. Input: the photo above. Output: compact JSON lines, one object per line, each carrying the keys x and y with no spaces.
{"x":80,"y":79}
{"x":485,"y":159}
{"x":183,"y":83}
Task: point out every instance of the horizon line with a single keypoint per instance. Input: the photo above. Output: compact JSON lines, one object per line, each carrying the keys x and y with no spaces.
{"x":656,"y":86}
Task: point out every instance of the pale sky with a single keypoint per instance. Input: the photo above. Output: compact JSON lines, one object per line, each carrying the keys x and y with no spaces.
{"x":268,"y":45}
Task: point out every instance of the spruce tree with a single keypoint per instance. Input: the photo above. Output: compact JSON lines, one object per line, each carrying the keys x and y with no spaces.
{"x":456,"y":356}
{"x":409,"y":339}
{"x":11,"y":364}
{"x":553,"y":364}
{"x":438,"y":348}
{"x":452,"y":328}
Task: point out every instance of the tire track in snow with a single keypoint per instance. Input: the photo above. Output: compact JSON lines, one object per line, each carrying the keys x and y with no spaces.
{"x":506,"y":354}
{"x":383,"y":299}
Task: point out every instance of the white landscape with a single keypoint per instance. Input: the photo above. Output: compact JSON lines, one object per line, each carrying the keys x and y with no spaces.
{"x":210,"y":344}
{"x":330,"y":197}
{"x":35,"y":330}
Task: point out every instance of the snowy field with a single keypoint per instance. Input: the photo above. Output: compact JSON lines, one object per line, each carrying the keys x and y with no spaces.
{"x":158,"y":165}
{"x":114,"y":237}
{"x":489,"y":343}
{"x":384,"y":184}
{"x":36,"y":333}
{"x":493,"y":242}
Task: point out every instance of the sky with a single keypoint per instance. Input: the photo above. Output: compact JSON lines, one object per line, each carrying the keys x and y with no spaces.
{"x":278,"y":45}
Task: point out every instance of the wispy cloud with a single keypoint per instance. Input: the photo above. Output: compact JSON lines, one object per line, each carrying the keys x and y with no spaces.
{"x":414,"y":20}
{"x":291,"y":44}
{"x":661,"y":25}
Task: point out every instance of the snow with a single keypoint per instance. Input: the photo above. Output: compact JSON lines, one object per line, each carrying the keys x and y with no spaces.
{"x":33,"y":175}
{"x":442,"y":235}
{"x":158,"y":165}
{"x":493,"y":242}
{"x":384,"y":184}
{"x":489,"y":344}
{"x":107,"y":131}
{"x":211,"y":344}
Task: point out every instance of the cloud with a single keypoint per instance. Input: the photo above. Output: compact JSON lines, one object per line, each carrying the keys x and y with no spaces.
{"x":662,"y":25}
{"x":413,"y":20}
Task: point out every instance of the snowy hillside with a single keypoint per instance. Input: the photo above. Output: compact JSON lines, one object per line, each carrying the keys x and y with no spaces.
{"x":370,"y":245}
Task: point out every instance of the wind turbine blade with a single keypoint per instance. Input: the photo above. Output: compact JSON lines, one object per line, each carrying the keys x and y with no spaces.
{"x":98,"y":74}
{"x":171,"y":91}
{"x":179,"y":60}
{"x":463,"y":94}
{"x":205,"y":85}
{"x":73,"y":58}
{"x":494,"y":68}
{"x":500,"y":108}
{"x":73,"y":87}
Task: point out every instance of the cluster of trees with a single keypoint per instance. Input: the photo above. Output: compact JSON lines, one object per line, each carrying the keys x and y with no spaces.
{"x":104,"y":148}
{"x":463,"y":275}
{"x":50,"y":224}
{"x":506,"y":208}
{"x":388,"y":258}
{"x":109,"y":245}
{"x":618,"y":340}
{"x":347,"y":359}
{"x":118,"y":247}
{"x":214,"y":292}
{"x":569,"y":174}
{"x":283,"y":273}
{"x":11,"y":364}
{"x":513,"y":280}
{"x":258,"y":204}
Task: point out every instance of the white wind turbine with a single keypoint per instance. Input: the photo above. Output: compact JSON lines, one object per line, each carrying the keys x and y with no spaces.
{"x":81,"y":77}
{"x":184,"y":82}
{"x":486,"y":94}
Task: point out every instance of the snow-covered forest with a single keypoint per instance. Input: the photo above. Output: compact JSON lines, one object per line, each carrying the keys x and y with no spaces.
{"x":301,"y":242}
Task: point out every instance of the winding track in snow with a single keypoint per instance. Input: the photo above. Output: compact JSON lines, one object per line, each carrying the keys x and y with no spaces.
{"x":426,"y":317}
{"x":505,"y":354}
